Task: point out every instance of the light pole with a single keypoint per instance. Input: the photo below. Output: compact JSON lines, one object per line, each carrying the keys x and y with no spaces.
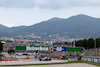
{"x":95,"y":40}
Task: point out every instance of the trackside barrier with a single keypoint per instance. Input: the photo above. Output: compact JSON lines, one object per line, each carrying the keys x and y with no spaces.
{"x":71,"y":59}
{"x":96,"y":60}
{"x":91,"y":59}
{"x":6,"y":58}
{"x":75,"y":58}
{"x":81,"y":58}
{"x":99,"y":60}
{"x":10,"y":58}
{"x":84,"y":58}
{"x":59,"y":58}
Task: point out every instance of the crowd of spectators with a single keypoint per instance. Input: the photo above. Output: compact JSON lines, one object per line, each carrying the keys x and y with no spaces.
{"x":8,"y":46}
{"x":85,"y":52}
{"x":92,"y":52}
{"x":61,"y":54}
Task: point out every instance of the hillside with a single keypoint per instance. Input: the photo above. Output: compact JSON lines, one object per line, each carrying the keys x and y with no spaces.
{"x":75,"y":26}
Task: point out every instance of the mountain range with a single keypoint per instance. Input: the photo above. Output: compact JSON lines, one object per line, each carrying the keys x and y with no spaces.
{"x":79,"y":26}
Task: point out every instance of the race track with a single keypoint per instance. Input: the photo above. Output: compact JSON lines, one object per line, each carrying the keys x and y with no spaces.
{"x":22,"y":62}
{"x":31,"y":62}
{"x":63,"y":65}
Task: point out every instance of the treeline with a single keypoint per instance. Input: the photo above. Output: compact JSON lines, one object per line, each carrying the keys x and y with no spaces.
{"x":88,"y":43}
{"x":65,"y":43}
{"x":1,"y":47}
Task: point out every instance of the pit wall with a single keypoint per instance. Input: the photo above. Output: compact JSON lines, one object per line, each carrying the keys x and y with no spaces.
{"x":91,"y":59}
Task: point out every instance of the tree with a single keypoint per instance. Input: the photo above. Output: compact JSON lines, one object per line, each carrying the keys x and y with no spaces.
{"x":90,"y":43}
{"x":67,"y":43}
{"x":57,"y":43}
{"x":1,"y":47}
{"x":98,"y":42}
{"x":78,"y":43}
{"x":84,"y":43}
{"x":11,"y":51}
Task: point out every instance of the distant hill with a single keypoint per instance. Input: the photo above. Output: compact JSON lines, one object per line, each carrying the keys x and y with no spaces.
{"x":3,"y":31}
{"x":82,"y":26}
{"x":2,"y":27}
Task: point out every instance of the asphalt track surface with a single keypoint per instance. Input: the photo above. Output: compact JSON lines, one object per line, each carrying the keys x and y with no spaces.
{"x":62,"y":65}
{"x":44,"y":62}
{"x":31,"y":62}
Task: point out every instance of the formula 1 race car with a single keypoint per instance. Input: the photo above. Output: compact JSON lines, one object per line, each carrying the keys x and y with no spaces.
{"x":45,"y":59}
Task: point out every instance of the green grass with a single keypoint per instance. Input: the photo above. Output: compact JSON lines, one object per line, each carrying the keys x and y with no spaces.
{"x":96,"y":64}
{"x":0,"y":59}
{"x":69,"y":62}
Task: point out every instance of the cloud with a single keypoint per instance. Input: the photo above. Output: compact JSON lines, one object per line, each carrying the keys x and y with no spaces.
{"x":17,"y":3}
{"x":41,"y":1}
{"x":48,"y":4}
{"x":6,"y":24}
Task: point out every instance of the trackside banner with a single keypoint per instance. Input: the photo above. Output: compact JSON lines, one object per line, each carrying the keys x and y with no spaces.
{"x":48,"y":48}
{"x":37,"y":48}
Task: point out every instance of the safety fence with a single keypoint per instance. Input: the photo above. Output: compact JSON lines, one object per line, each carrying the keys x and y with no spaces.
{"x":91,"y":59}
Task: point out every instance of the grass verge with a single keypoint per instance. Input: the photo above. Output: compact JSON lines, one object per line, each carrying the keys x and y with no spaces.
{"x":0,"y":59}
{"x":69,"y":62}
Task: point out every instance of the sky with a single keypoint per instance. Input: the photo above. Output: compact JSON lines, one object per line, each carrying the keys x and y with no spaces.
{"x":29,"y":12}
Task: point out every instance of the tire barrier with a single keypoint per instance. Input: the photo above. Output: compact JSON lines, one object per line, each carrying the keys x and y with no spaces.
{"x":91,"y":59}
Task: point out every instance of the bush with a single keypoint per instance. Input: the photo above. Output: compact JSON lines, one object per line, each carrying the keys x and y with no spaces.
{"x":1,"y":47}
{"x":0,"y":59}
{"x":10,"y":51}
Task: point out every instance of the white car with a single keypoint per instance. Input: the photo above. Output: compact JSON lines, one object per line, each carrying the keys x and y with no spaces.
{"x":45,"y":59}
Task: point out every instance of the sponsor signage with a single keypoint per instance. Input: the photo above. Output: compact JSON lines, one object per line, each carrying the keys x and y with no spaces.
{"x":37,"y":48}
{"x":47,"y":48}
{"x":58,"y":48}
{"x":20,"y":47}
